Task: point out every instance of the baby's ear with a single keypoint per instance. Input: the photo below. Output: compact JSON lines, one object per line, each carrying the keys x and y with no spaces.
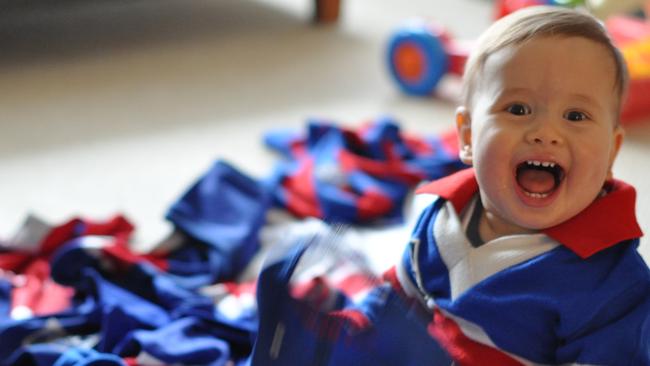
{"x":464,"y":128}
{"x":617,"y":140}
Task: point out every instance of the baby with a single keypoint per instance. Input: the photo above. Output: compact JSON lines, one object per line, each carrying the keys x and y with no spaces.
{"x":529,"y":257}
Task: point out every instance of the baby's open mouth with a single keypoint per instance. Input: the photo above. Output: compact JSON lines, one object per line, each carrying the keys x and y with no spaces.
{"x":538,"y":179}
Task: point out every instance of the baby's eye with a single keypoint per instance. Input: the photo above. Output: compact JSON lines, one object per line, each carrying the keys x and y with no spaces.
{"x":518,"y":109}
{"x":576,"y":116}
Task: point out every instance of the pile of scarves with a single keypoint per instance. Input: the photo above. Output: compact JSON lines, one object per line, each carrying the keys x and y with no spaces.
{"x":75,"y":293}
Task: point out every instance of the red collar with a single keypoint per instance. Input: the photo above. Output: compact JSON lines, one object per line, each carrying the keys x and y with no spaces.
{"x":607,"y":221}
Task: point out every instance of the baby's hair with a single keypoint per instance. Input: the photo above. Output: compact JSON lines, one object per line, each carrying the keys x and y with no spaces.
{"x":539,"y":22}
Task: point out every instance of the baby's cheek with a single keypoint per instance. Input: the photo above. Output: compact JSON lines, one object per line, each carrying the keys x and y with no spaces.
{"x":492,"y":155}
{"x":594,"y":165}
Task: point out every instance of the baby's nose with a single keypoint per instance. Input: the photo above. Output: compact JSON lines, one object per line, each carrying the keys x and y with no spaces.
{"x":544,"y":133}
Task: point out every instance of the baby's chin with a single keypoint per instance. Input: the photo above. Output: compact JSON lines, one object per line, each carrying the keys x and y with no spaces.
{"x":541,"y":221}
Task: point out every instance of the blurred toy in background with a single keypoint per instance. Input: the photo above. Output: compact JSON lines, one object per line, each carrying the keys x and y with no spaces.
{"x":632,"y":36}
{"x":606,"y":8}
{"x":600,"y":8}
{"x":421,"y":53}
{"x":505,"y":7}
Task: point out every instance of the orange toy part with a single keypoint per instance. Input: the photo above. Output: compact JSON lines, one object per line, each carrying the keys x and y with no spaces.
{"x":409,"y":61}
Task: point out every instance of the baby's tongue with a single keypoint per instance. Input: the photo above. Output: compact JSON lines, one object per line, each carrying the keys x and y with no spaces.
{"x":536,"y":180}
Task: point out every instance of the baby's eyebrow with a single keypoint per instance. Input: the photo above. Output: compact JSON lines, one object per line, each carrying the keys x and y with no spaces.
{"x":585,"y":99}
{"x":516,"y":90}
{"x":508,"y":92}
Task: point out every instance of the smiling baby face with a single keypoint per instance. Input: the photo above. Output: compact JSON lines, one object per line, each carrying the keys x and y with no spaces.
{"x":541,"y":131}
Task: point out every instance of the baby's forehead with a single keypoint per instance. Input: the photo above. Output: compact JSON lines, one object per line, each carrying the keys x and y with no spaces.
{"x":551,"y":62}
{"x":549,"y":49}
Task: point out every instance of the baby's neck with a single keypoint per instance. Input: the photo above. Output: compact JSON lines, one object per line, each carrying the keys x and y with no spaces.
{"x":491,"y":227}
